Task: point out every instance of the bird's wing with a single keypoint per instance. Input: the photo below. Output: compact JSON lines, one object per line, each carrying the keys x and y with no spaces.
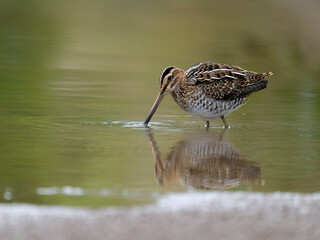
{"x":222,"y":81}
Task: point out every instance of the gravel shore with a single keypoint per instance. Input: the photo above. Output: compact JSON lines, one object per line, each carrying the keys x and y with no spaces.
{"x":193,"y":215}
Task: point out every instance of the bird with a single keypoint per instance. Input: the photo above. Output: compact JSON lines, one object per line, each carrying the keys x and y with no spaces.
{"x":209,"y":90}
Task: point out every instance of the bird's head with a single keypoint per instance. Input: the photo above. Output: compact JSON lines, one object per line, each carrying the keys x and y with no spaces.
{"x":169,"y":80}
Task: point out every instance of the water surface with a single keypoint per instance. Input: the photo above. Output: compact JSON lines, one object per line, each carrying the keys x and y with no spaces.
{"x":78,"y":81}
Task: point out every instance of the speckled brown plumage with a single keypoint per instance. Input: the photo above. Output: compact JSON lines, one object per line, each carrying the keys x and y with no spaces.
{"x":209,"y":90}
{"x":221,"y":81}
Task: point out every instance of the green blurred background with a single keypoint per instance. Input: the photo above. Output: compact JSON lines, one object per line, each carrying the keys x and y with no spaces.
{"x":77,"y":79}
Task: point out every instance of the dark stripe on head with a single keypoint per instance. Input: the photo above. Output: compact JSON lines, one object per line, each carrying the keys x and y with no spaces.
{"x":164,"y":73}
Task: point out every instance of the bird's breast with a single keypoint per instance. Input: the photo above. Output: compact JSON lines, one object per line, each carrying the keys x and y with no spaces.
{"x":200,"y":106}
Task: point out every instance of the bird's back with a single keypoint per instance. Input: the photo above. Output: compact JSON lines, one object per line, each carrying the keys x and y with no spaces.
{"x":224,"y":82}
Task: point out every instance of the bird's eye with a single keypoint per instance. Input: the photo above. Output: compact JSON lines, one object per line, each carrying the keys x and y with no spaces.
{"x":169,"y":78}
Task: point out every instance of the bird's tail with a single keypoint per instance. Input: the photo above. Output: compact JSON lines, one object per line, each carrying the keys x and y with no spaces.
{"x":257,"y":77}
{"x":268,"y":74}
{"x":256,"y":83}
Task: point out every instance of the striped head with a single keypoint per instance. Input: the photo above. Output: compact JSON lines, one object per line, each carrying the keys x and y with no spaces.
{"x":169,"y":80}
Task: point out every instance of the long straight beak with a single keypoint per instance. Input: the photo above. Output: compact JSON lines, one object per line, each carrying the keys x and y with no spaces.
{"x":154,"y":107}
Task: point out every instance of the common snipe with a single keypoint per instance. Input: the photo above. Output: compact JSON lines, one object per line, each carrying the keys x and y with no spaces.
{"x":209,"y":90}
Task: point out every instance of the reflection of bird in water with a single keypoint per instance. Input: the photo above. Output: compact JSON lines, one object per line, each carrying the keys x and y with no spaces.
{"x":203,"y":160}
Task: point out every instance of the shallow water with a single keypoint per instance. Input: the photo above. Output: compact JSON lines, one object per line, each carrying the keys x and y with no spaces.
{"x":76,"y":87}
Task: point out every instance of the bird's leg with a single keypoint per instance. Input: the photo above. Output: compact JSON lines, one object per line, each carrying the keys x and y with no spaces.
{"x":224,"y":122}
{"x":207,"y":125}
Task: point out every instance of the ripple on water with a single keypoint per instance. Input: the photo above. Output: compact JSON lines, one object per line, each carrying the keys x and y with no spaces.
{"x":162,"y":125}
{"x":172,"y":125}
{"x":136,"y":124}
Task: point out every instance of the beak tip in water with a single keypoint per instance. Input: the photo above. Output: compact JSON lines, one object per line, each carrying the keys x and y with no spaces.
{"x":154,"y":108}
